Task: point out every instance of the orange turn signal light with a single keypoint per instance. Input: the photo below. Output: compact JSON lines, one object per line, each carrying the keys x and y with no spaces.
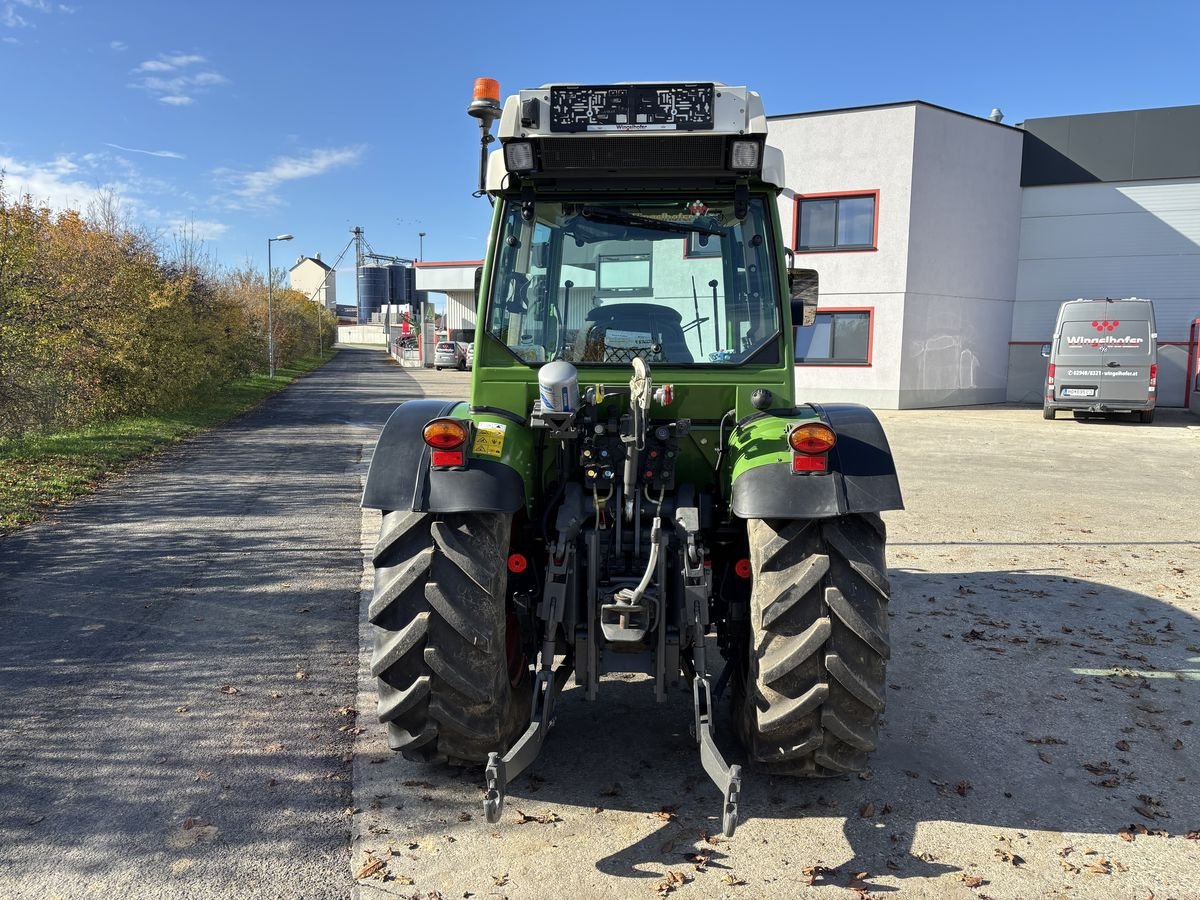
{"x":812,"y":437}
{"x":445,"y":434}
{"x":486,"y":89}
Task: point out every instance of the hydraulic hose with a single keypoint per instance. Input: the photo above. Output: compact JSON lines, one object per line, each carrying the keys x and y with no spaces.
{"x":634,"y":597}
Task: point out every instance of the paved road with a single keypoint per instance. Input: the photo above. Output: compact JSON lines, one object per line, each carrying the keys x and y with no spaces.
{"x":174,"y":655}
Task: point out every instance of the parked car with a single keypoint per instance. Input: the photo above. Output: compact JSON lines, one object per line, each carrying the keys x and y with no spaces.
{"x":449,"y":355}
{"x":1103,"y":359}
{"x":471,"y":355}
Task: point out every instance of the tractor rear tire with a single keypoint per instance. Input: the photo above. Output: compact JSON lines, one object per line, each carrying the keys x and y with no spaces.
{"x":813,"y":688}
{"x":448,"y":688}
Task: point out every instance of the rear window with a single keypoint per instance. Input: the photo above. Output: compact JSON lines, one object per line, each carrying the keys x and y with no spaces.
{"x":445,"y":346}
{"x":1107,"y":335}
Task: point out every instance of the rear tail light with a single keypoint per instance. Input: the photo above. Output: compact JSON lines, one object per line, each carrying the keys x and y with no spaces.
{"x":810,"y":463}
{"x":812,"y":437}
{"x":1153,"y":377}
{"x":441,"y":459}
{"x":445,"y":434}
{"x":810,"y":443}
{"x":1050,"y":379}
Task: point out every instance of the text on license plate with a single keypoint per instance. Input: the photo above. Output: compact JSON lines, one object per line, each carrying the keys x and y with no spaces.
{"x":1079,"y":392}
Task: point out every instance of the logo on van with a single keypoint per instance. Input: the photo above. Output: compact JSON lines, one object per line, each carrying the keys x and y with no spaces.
{"x":1106,"y":325}
{"x":1107,"y":341}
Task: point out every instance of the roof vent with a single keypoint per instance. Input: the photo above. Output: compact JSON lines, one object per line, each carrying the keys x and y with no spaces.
{"x":996,"y":116}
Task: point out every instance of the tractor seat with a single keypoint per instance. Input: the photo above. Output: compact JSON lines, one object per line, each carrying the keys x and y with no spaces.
{"x":661,"y":323}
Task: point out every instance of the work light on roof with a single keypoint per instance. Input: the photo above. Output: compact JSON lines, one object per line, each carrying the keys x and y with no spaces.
{"x":518,"y":156}
{"x":744,"y":155}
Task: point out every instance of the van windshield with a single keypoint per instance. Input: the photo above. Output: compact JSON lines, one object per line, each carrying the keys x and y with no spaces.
{"x":678,"y":281}
{"x":1107,"y":336}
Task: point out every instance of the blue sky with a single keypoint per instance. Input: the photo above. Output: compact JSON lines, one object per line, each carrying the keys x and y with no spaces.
{"x":254,"y":118}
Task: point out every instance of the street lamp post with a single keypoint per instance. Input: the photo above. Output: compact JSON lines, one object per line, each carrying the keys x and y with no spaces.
{"x":420,"y":246}
{"x":270,"y":305}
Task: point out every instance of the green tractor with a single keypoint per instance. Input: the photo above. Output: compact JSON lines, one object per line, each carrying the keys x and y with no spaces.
{"x":632,"y":485}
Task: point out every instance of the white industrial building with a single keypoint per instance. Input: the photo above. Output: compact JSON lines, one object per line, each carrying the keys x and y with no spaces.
{"x":946,"y":243}
{"x":977,"y":233}
{"x":314,"y":279}
{"x":456,"y":280}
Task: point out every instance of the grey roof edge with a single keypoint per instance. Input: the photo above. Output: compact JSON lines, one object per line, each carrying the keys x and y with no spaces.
{"x":324,"y":265}
{"x":1109,"y":112}
{"x":894,"y":105}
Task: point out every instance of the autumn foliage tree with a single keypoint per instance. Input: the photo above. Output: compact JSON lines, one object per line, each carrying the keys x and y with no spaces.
{"x":97,"y":320}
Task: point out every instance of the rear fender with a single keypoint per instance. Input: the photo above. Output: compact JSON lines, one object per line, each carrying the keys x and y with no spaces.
{"x":861,"y":477}
{"x":400,"y":476}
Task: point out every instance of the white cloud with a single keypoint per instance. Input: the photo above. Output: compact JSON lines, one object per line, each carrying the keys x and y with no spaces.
{"x":169,"y":62}
{"x":166,"y":154}
{"x":58,"y":183}
{"x":86,"y":181}
{"x":10,"y":40}
{"x":118,"y":46}
{"x":199,"y":229}
{"x":10,"y":11}
{"x":173,"y":80}
{"x":257,"y":189}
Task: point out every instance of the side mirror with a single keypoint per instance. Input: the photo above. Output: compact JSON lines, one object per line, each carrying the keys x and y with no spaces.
{"x":1045,"y":351}
{"x":541,"y":256}
{"x":802,"y":285}
{"x":478,"y":282}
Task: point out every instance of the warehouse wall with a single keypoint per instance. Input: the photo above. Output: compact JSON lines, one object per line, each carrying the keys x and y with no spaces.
{"x":962,"y":256}
{"x":845,"y":152}
{"x":1121,"y":239}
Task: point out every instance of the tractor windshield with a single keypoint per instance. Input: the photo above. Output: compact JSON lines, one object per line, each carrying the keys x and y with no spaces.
{"x":678,"y":282}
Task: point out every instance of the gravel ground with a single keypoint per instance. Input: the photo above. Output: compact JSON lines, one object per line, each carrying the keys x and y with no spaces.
{"x":178,"y":656}
{"x":1038,"y":739}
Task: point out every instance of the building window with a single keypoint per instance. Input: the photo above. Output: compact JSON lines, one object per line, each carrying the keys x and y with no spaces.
{"x":836,"y":222}
{"x":838,"y":337}
{"x":624,"y":275}
{"x":698,"y":246}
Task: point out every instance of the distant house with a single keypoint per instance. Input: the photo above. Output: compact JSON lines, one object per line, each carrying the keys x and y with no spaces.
{"x":314,"y":279}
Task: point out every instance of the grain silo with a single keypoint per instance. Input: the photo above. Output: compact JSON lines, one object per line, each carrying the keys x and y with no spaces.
{"x":372,"y":291}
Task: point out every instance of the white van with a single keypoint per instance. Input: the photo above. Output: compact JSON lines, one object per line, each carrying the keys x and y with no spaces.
{"x":1103,"y":359}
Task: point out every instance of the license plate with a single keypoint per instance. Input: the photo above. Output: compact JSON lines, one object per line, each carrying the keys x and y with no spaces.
{"x":1079,"y":392}
{"x":632,"y":107}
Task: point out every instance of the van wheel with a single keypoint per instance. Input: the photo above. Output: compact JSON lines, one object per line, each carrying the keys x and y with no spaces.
{"x":439,"y":368}
{"x":1048,"y":412}
{"x":1147,"y":416}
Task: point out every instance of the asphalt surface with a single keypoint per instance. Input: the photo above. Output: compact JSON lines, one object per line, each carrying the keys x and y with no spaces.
{"x":1043,"y":684}
{"x":178,"y":654}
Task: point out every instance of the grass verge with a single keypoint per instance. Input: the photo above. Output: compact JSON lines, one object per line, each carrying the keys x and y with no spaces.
{"x":39,"y":472}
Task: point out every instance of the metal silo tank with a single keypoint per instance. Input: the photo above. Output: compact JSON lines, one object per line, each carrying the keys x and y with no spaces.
{"x":372,"y":291}
{"x":397,"y":283}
